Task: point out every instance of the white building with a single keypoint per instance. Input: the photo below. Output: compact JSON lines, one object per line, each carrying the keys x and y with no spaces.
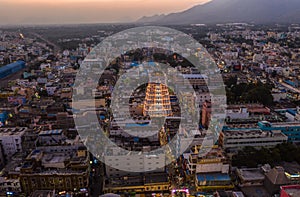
{"x":237,"y":139}
{"x":11,"y":140}
{"x":278,"y":95}
{"x":51,"y":90}
{"x":212,"y":162}
{"x":237,"y":113}
{"x":129,"y":128}
{"x":118,"y":163}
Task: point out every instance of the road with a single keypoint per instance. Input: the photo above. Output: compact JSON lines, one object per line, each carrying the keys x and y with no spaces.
{"x":290,"y":87}
{"x":96,"y":186}
{"x":56,"y":48}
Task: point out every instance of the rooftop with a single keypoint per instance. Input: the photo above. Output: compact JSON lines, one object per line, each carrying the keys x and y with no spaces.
{"x":51,"y":132}
{"x":255,"y":191}
{"x":10,"y":66}
{"x":252,"y":132}
{"x":291,"y":168}
{"x":277,"y":176}
{"x":147,"y":178}
{"x":43,"y":193}
{"x":292,"y":190}
{"x":213,"y":177}
{"x":54,"y":158}
{"x":12,"y":131}
{"x":251,"y":174}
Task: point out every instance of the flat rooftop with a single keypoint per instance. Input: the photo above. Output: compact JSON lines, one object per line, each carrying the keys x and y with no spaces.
{"x":245,"y":132}
{"x":255,"y":191}
{"x":146,"y":178}
{"x":52,"y":158}
{"x":283,"y":124}
{"x":292,"y":191}
{"x":12,"y":131}
{"x":291,"y":167}
{"x":213,"y":177}
{"x":251,"y":132}
{"x":156,"y":178}
{"x":43,"y":193}
{"x":251,"y":174}
{"x":51,"y":132}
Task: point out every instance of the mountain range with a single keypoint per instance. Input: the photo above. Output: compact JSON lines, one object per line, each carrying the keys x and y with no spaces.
{"x":233,"y":11}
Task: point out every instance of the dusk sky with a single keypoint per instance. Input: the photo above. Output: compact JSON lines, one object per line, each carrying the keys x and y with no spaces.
{"x":85,"y":11}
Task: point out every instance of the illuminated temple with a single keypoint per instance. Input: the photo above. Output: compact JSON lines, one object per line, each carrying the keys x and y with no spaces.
{"x":157,"y":101}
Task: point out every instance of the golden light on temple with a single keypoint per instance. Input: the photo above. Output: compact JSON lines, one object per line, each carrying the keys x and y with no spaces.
{"x":157,"y":102}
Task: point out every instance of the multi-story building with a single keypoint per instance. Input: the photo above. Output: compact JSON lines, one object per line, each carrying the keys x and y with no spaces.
{"x":291,"y":129}
{"x":237,"y":139}
{"x":290,"y":191}
{"x":292,"y":171}
{"x":133,"y":170}
{"x":64,"y":121}
{"x":50,"y":137}
{"x":157,"y":101}
{"x":146,"y":184}
{"x":130,"y":163}
{"x":238,"y":112}
{"x":275,"y":178}
{"x":196,"y":80}
{"x":249,"y":177}
{"x":206,"y":113}
{"x":9,"y":186}
{"x":216,"y":107}
{"x":40,"y":193}
{"x":11,"y":140}
{"x":59,"y":168}
{"x":9,"y":177}
{"x":211,"y":170}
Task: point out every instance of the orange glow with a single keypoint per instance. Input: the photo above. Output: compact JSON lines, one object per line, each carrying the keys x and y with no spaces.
{"x":81,"y":11}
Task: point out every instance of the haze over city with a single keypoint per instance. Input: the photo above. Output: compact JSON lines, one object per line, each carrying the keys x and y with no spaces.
{"x":149,"y":98}
{"x":91,"y":11}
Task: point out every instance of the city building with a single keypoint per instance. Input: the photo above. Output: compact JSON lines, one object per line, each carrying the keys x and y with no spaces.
{"x":210,"y":171}
{"x":250,"y":177}
{"x":131,"y":163}
{"x":237,"y":112}
{"x":206,"y":113}
{"x":157,"y":101}
{"x":10,"y":177}
{"x":11,"y":140}
{"x":291,"y":129}
{"x":11,"y":68}
{"x":9,"y":186}
{"x":50,"y":137}
{"x":43,"y":193}
{"x":292,"y":171}
{"x":274,"y":179}
{"x":290,"y":191}
{"x":238,"y":139}
{"x":145,"y":184}
{"x":60,"y":168}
